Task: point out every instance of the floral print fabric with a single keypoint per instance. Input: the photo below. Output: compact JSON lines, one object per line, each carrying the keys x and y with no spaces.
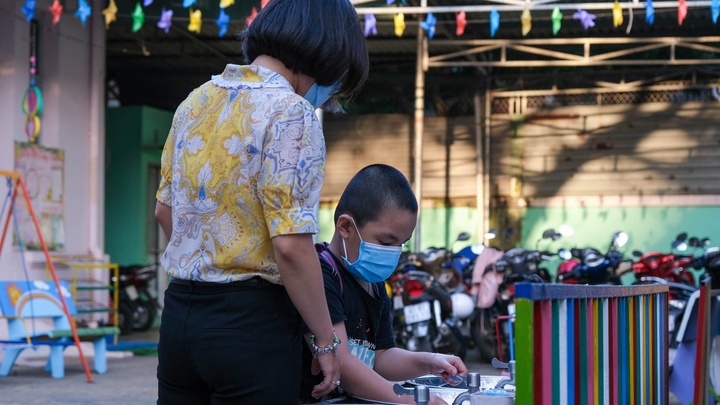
{"x":244,"y":162}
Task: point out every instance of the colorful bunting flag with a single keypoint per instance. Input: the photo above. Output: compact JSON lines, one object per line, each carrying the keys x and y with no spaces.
{"x":195,"y":21}
{"x":165,"y":20}
{"x":110,"y":13}
{"x":138,"y":17}
{"x":682,"y":11}
{"x":461,"y":22}
{"x":526,"y":21}
{"x":56,"y":10}
{"x":83,"y":11}
{"x":222,"y":22}
{"x":494,"y":21}
{"x":617,"y":14}
{"x":586,"y":19}
{"x":556,"y":18}
{"x":370,"y":25}
{"x":429,"y":24}
{"x":649,"y":12}
{"x":29,"y":10}
{"x":249,"y":19}
{"x":399,"y":24}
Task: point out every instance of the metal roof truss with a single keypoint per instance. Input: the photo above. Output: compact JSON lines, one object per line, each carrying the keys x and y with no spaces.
{"x":576,"y":52}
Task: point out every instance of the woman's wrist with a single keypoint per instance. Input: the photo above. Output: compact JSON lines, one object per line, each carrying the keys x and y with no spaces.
{"x":318,"y":350}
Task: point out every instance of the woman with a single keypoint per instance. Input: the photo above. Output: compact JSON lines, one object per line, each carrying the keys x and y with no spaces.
{"x":241,"y":172}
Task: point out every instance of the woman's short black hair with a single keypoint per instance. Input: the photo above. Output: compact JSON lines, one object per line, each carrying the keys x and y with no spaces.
{"x":373,"y":189}
{"x":318,"y":38}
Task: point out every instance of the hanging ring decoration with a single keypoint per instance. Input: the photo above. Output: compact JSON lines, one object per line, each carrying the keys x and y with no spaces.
{"x":32,"y":102}
{"x":32,"y":106}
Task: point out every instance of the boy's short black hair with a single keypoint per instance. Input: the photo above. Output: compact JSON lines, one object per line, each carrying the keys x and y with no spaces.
{"x":318,"y":38}
{"x":373,"y":189}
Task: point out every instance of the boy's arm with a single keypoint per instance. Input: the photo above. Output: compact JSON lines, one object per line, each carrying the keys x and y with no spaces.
{"x":362,"y":381}
{"x":398,"y":364}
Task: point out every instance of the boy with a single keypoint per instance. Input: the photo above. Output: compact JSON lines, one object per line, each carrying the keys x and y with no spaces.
{"x":376,"y":215}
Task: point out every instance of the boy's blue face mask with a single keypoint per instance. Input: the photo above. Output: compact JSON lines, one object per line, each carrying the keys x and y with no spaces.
{"x":375,"y":263}
{"x":318,"y":95}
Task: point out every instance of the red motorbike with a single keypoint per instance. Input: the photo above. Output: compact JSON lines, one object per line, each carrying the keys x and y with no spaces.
{"x":666,"y":266}
{"x":674,"y":267}
{"x":674,"y":270}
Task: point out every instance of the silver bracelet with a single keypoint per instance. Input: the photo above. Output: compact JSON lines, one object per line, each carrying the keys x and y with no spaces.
{"x":333,"y":347}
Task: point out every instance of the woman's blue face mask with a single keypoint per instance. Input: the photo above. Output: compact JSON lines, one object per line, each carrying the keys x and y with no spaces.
{"x":375,"y":263}
{"x":318,"y":95}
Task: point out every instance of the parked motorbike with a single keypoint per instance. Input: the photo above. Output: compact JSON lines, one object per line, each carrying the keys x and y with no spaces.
{"x":670,"y":267}
{"x":678,"y":297}
{"x":710,"y":260}
{"x":704,"y":257}
{"x":664,"y":266}
{"x":674,"y":270}
{"x":445,"y":266}
{"x":590,"y":266}
{"x":137,"y":306}
{"x":494,"y":277}
{"x":423,"y":317}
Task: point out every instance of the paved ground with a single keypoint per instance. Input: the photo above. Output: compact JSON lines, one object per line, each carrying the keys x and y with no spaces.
{"x":130,"y":380}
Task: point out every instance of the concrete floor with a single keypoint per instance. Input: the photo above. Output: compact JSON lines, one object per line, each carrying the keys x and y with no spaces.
{"x":130,"y":380}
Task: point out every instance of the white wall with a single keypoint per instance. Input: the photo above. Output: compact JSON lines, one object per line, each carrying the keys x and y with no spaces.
{"x":71,"y":77}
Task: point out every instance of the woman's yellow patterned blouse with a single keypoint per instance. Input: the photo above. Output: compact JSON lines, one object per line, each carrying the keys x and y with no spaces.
{"x":244,"y":162}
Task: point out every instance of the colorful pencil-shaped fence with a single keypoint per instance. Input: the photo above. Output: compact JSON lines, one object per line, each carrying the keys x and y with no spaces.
{"x":592,"y":345}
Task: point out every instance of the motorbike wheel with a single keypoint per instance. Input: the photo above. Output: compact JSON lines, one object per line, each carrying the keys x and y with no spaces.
{"x":143,"y":316}
{"x":125,"y":318}
{"x":483,"y":333}
{"x":461,"y":351}
{"x":614,"y":280}
{"x":424,"y":344}
{"x":713,"y":268}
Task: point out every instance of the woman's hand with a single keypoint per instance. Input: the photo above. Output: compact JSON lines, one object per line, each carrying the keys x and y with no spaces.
{"x":446,"y":366}
{"x":330,"y":365}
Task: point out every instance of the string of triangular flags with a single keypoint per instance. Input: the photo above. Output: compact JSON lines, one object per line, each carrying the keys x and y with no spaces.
{"x":84,"y":11}
{"x":586,"y":19}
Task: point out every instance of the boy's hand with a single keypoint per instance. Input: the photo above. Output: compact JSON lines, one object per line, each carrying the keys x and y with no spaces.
{"x":330,"y":365}
{"x":447,"y":367}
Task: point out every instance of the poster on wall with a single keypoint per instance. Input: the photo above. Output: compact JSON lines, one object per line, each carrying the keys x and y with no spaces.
{"x":42,"y":169}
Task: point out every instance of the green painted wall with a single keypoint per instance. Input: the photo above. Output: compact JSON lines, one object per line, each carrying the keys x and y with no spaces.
{"x":648,"y":228}
{"x":134,"y":139}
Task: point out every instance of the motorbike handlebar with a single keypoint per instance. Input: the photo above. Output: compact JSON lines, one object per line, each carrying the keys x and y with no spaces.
{"x":420,"y":274}
{"x":676,"y":286}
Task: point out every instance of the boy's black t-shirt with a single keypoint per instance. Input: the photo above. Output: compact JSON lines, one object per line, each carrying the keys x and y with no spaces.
{"x":367,"y":320}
